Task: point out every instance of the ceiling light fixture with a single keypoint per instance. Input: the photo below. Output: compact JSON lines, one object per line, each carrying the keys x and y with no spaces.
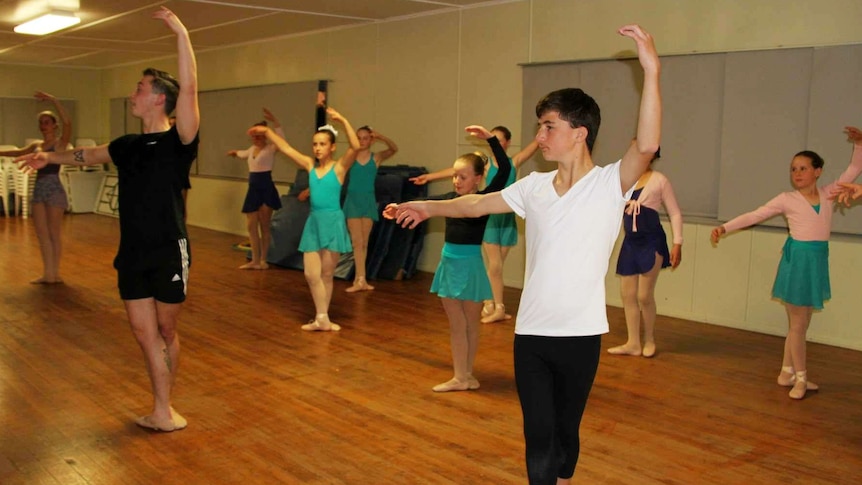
{"x":48,"y":23}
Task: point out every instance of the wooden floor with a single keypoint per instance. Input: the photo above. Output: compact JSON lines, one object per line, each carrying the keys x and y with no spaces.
{"x":268,"y":403}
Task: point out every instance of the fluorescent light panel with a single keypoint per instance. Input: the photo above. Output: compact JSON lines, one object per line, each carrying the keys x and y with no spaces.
{"x":50,"y":22}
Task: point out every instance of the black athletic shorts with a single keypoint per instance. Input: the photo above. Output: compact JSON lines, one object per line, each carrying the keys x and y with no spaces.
{"x":162,"y":273}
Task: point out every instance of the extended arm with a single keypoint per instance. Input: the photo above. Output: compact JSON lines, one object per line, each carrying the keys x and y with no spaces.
{"x":80,"y":157}
{"x":430,"y":177}
{"x":770,"y":209}
{"x":303,"y":161}
{"x":637,"y":158}
{"x":21,"y":151}
{"x":187,"y":110}
{"x":410,"y":214}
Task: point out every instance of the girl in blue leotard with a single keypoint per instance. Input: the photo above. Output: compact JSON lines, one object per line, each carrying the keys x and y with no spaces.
{"x":360,"y":205}
{"x":325,"y":236}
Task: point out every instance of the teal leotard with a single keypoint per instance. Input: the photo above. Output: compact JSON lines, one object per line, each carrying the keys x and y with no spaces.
{"x":325,"y":227}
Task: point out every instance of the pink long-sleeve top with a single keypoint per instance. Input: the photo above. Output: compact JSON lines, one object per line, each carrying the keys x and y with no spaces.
{"x":657,"y":192}
{"x":805,"y":223}
{"x":265,"y":158}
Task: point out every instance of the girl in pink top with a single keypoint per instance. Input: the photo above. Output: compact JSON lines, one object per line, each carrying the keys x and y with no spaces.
{"x":643,"y":254}
{"x":802,"y":282}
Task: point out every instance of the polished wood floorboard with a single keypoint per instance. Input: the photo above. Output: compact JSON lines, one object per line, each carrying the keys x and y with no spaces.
{"x":270,"y":404}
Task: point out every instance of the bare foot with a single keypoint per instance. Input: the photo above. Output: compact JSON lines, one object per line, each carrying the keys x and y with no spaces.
{"x":499,"y":314}
{"x":251,"y":265}
{"x":488,"y":308}
{"x":359,"y":285}
{"x":264,"y":265}
{"x":649,"y":349}
{"x":44,"y":280}
{"x":625,"y":350}
{"x":315,"y":326}
{"x":472,"y":383}
{"x":452,"y":385}
{"x":167,"y":425}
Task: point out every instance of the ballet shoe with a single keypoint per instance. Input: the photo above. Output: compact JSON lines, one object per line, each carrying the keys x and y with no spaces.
{"x":452,"y":385}
{"x":790,"y":381}
{"x":315,"y":326}
{"x":472,"y":383}
{"x":624,"y":350}
{"x":359,"y":285}
{"x":250,"y":266}
{"x":798,"y":390}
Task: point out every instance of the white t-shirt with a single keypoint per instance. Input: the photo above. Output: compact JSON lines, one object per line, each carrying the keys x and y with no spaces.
{"x":569,"y":243}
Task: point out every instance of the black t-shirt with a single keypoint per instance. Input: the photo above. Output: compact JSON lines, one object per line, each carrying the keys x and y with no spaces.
{"x":151,"y":168}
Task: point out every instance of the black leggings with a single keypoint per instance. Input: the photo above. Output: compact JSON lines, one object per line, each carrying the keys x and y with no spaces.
{"x":554,"y":376}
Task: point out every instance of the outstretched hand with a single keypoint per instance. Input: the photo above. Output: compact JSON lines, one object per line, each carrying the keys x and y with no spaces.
{"x":170,"y":19}
{"x":420,"y":179}
{"x":647,"y":54}
{"x":407,"y":215}
{"x":846,"y":192}
{"x":716,"y":234}
{"x":854,"y":134}
{"x":478,"y":131}
{"x":32,"y":161}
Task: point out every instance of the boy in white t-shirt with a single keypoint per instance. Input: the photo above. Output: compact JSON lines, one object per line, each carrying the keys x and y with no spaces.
{"x":573,"y":218}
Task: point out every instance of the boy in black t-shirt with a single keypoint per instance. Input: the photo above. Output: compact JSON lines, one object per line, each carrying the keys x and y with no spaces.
{"x":153,"y":258}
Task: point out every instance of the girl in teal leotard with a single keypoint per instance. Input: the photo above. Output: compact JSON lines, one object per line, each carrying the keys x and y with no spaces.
{"x":325,"y":235}
{"x":360,"y":205}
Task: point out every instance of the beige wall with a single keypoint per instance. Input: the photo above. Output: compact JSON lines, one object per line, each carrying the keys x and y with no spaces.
{"x":82,"y":85}
{"x":421,"y":80}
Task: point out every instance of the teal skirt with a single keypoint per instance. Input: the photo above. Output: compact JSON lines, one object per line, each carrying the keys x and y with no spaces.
{"x":325,"y":230}
{"x":359,"y":205}
{"x":803,"y":274}
{"x":501,"y":230}
{"x":461,"y":274}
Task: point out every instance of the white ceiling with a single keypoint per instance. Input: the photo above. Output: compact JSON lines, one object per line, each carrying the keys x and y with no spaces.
{"x":115,"y":32}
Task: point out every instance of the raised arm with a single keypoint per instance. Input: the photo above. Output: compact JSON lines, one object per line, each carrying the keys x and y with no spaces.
{"x":79,"y":156}
{"x":303,"y":161}
{"x":525,"y":154}
{"x":855,"y":168}
{"x":64,"y":119}
{"x":391,"y":147}
{"x":187,"y":110}
{"x":349,"y":156}
{"x":273,"y":121}
{"x":637,"y":158}
{"x":504,"y":168}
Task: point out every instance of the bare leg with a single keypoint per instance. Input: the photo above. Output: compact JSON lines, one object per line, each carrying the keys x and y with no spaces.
{"x":629,"y":293}
{"x":496,"y":255}
{"x":646,"y":301}
{"x":460,"y":345}
{"x":360,"y":230}
{"x":43,"y":235}
{"x":265,"y":217}
{"x":319,"y":269}
{"x":55,"y":229}
{"x":799,"y":317}
{"x":252,"y":221}
{"x":154,"y":325}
